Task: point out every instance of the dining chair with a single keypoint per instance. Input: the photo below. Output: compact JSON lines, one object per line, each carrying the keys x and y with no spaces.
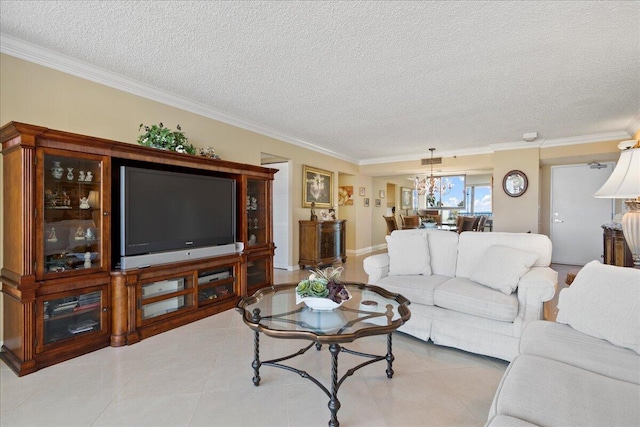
{"x":410,"y":221}
{"x":392,"y":224}
{"x":467,"y":223}
{"x":481,"y":223}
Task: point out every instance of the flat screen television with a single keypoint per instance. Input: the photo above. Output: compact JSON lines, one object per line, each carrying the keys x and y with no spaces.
{"x":163,"y":211}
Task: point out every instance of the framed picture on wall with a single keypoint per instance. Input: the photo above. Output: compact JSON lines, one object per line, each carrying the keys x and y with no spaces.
{"x":366,"y":202}
{"x":378,"y":203}
{"x":382,"y":194}
{"x":406,"y":198}
{"x":362,"y":191}
{"x":317,"y":187}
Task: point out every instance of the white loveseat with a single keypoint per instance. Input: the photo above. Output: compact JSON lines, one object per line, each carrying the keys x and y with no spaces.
{"x":473,"y":291}
{"x":584,"y":369}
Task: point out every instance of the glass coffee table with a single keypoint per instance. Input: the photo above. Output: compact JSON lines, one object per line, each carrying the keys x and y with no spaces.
{"x":371,"y":310}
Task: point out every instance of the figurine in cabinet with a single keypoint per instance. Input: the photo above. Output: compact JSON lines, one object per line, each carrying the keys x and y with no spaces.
{"x":70,"y":174}
{"x":66,"y":200}
{"x":79,"y":233}
{"x":84,"y":203}
{"x":81,"y":176}
{"x":87,"y":259}
{"x":88,"y":177}
{"x":51,"y":237}
{"x":88,"y":235}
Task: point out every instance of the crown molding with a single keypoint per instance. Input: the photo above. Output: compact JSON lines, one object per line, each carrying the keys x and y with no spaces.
{"x":412,"y":157}
{"x":30,"y":52}
{"x":585,"y":139}
{"x":516,"y":145}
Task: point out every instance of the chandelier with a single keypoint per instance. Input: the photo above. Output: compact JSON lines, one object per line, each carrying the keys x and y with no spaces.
{"x":431,"y":185}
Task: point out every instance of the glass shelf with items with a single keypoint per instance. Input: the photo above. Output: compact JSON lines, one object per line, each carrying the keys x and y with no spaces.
{"x":216,"y":285}
{"x":256,"y":212}
{"x":68,"y":316}
{"x":165,"y":297}
{"x":72,"y":217}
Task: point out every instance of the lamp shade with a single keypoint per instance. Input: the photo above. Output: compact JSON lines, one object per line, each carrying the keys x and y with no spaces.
{"x":624,"y":182}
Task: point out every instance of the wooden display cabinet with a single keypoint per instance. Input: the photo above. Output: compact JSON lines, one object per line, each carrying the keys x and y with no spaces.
{"x":55,"y":254}
{"x":258,"y":234}
{"x":62,"y":296}
{"x":322,"y":243}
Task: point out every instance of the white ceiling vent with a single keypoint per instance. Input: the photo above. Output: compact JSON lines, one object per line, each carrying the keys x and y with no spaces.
{"x":434,"y":161}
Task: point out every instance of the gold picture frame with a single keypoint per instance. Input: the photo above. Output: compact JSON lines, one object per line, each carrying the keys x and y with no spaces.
{"x":317,"y":187}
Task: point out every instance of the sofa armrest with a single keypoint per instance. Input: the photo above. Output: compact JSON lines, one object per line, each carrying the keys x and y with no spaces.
{"x":377,"y":267}
{"x":541,"y":279}
{"x":535,"y":287}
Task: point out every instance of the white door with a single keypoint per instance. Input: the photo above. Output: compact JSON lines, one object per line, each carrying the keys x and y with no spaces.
{"x":576,"y":216}
{"x":281,"y":215}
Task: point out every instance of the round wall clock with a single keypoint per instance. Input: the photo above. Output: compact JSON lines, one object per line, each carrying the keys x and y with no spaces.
{"x":515,"y":183}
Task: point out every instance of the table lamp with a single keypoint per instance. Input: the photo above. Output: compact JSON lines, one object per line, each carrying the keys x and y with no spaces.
{"x":624,"y":183}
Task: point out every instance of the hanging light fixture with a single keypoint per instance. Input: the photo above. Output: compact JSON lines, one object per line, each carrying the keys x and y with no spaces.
{"x":431,"y":198}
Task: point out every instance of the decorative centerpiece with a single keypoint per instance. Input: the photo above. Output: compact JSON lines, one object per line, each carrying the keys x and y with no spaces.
{"x":430,"y":222}
{"x":322,"y":290}
{"x":158,"y":136}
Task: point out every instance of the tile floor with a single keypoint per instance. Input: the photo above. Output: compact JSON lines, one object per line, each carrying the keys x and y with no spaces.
{"x":200,"y":375}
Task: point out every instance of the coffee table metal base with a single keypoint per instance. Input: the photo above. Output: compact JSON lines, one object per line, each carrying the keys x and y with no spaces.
{"x":334,"y":349}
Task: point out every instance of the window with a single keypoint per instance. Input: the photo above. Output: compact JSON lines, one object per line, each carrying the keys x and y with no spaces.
{"x":443,"y":192}
{"x":478,"y":200}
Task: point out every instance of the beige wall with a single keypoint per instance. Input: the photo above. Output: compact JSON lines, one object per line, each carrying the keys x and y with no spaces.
{"x":516,"y":214}
{"x":45,"y":97}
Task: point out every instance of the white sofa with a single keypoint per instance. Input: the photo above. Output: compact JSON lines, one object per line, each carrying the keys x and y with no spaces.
{"x":584,"y":369}
{"x":440,"y":273}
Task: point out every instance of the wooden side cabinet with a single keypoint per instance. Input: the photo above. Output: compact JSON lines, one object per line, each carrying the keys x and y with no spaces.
{"x":616,"y":250}
{"x":322,"y":243}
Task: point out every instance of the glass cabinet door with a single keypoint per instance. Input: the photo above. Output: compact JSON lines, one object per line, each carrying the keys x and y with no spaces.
{"x":256,"y":212}
{"x":72,"y":218}
{"x":258,"y":273}
{"x":163,"y":298}
{"x":71,"y":314}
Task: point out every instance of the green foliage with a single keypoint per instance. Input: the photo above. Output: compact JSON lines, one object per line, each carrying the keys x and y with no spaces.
{"x":158,"y":136}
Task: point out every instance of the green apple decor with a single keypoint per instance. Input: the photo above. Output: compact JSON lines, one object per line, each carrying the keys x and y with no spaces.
{"x":322,"y":290}
{"x":158,"y":136}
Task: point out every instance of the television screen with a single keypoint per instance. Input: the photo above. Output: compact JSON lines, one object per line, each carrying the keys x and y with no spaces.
{"x":164,"y":211}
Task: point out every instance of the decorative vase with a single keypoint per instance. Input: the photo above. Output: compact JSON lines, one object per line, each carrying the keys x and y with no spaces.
{"x":320,"y":304}
{"x":70,"y":174}
{"x":57,"y":170}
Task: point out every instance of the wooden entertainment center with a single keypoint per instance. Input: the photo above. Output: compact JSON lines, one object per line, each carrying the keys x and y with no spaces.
{"x":63,"y":293}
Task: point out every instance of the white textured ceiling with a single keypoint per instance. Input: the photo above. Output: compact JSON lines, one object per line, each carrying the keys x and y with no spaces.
{"x":368,"y":81}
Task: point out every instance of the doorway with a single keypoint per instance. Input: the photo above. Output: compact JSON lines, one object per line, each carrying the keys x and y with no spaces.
{"x":576,"y":216}
{"x":281,"y":215}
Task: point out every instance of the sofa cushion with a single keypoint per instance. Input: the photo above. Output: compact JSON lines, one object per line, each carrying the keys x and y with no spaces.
{"x":471,"y":247}
{"x":564,"y":344}
{"x":408,"y":254}
{"x":549,"y":393}
{"x":463,"y":295}
{"x":418,"y":289}
{"x":501,"y":268}
{"x":604,"y":302}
